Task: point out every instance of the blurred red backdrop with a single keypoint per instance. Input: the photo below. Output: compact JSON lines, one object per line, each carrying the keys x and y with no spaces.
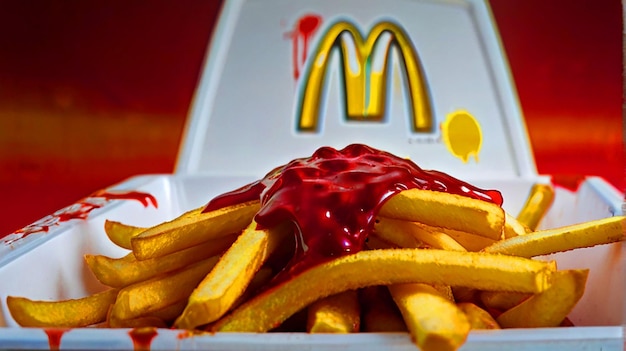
{"x":93,"y":92}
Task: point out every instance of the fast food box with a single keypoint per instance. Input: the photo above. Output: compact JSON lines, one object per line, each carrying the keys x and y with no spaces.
{"x":422,"y":79}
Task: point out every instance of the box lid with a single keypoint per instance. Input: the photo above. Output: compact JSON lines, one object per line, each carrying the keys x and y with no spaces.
{"x":423,"y":79}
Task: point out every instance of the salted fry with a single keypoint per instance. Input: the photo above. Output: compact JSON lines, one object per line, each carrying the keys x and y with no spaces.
{"x":433,"y":208}
{"x":384,"y":267}
{"x":339,"y":314}
{"x":189,"y":230}
{"x":551,"y":307}
{"x":469,"y":241}
{"x":502,"y":300}
{"x":220,"y":289}
{"x":73,"y":313}
{"x":138,"y":322}
{"x":127,"y":270}
{"x":478,"y":318}
{"x":435,"y":322}
{"x":543,"y":242}
{"x":160,"y":318}
{"x":159,"y":292}
{"x":393,"y":231}
{"x":512,"y":227}
{"x":537,"y":205}
{"x":413,"y":235}
{"x":120,"y":233}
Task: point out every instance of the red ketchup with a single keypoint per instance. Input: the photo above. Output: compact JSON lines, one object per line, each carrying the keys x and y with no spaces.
{"x":332,"y":198}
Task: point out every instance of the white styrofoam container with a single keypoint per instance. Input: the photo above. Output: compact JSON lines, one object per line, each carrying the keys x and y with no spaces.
{"x":242,"y":124}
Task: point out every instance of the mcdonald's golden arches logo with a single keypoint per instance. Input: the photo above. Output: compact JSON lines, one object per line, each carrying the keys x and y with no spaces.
{"x":365,"y":87}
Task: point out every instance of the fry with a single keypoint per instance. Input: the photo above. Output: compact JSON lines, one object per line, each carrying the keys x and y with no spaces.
{"x":138,"y":322}
{"x":339,"y":313}
{"x":394,"y":231}
{"x":502,"y":300}
{"x":159,"y":318}
{"x":128,"y":270}
{"x":159,"y":292}
{"x":537,"y":205}
{"x":469,"y":241}
{"x":477,"y":317}
{"x":383,"y":267}
{"x":543,"y":242}
{"x":74,"y":313}
{"x":551,"y":307}
{"x":220,"y":289}
{"x":413,"y":235}
{"x":120,"y":233}
{"x":435,"y":323}
{"x":189,"y":230}
{"x":512,"y":227}
{"x":432,"y":208}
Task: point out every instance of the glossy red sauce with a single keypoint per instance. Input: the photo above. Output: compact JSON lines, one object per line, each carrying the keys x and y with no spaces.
{"x":142,"y":337}
{"x":54,"y":337}
{"x":80,"y":210}
{"x":333,"y":196}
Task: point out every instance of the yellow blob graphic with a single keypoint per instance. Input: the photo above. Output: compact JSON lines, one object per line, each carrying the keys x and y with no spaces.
{"x":462,"y":135}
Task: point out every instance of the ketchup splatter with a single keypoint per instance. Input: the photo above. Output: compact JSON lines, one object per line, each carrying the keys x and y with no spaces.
{"x":80,"y":210}
{"x":54,"y":337}
{"x":304,"y":29}
{"x":142,"y":337}
{"x":333,"y":196}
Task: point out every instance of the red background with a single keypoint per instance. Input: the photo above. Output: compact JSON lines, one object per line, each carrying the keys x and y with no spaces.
{"x":93,"y":92}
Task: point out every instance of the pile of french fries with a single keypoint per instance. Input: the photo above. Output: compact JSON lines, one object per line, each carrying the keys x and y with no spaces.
{"x":436,"y":265}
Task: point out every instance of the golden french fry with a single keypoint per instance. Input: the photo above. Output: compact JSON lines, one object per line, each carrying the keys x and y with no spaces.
{"x":221,"y":288}
{"x":169,"y":313}
{"x":435,"y":322}
{"x":379,"y":312}
{"x":512,"y":227}
{"x":434,"y":208}
{"x":478,"y":318}
{"x":160,"y":318}
{"x":469,"y":241}
{"x":120,"y":233}
{"x":339,"y":314}
{"x":159,"y":292}
{"x":383,"y":267}
{"x":138,"y":322}
{"x":502,"y":300}
{"x":551,"y":307}
{"x":394,"y":231}
{"x":192,"y":229}
{"x":537,"y":205}
{"x":260,"y":279}
{"x":413,"y":235}
{"x":127,"y":270}
{"x":73,"y":313}
{"x":543,"y":242}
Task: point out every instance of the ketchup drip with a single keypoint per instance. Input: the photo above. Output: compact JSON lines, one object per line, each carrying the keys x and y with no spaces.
{"x":142,"y":337}
{"x":81,"y":210}
{"x":54,"y":337}
{"x":332,"y":198}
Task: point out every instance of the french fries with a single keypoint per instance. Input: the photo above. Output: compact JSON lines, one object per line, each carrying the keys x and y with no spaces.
{"x":72,"y":313}
{"x":339,"y":313}
{"x":434,"y":264}
{"x":435,"y":322}
{"x":543,"y":242}
{"x":191,"y":229}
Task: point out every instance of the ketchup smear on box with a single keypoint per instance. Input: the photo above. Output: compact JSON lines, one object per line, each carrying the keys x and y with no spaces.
{"x":333,"y":196}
